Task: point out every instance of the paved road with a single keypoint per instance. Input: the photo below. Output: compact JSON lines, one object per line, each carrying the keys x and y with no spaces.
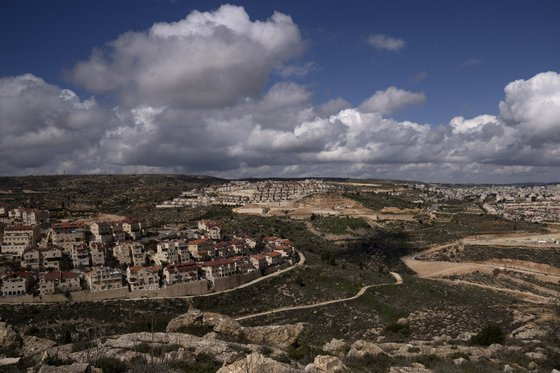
{"x":361,"y":292}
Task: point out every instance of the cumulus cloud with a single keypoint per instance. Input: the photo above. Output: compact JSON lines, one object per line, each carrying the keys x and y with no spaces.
{"x":45,"y":126}
{"x":208,"y":59}
{"x":192,"y":97}
{"x":391,"y":100}
{"x":386,"y":43}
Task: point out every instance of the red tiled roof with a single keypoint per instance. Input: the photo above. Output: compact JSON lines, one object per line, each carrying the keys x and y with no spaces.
{"x":18,"y":227}
{"x":258,"y":257}
{"x":136,"y":269}
{"x":273,"y":254}
{"x":217,"y":262}
{"x":198,"y":242}
{"x":67,"y":224}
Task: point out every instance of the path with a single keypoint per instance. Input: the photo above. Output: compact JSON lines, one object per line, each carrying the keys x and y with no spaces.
{"x":434,"y":270}
{"x":361,"y":292}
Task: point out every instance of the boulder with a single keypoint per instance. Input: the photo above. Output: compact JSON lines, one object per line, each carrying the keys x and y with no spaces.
{"x":326,"y":363}
{"x":279,"y":336}
{"x":222,"y":324}
{"x":193,"y":317}
{"x":527,"y":331}
{"x":9,"y":337}
{"x":337,"y":347}
{"x":459,"y":361}
{"x":360,"y":348}
{"x":34,"y":347}
{"x":257,"y":363}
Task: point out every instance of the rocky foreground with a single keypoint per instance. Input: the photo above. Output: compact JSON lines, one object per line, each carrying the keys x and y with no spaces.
{"x":208,"y":342}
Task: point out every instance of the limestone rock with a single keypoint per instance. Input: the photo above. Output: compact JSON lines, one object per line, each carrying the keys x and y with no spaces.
{"x":9,"y":337}
{"x":326,"y":363}
{"x":191,"y":318}
{"x":337,"y":347}
{"x":279,"y":336}
{"x":360,"y":348}
{"x":34,"y":347}
{"x":459,"y":361}
{"x":527,"y":331}
{"x":222,"y":324}
{"x":9,"y":362}
{"x":257,"y":363}
{"x":508,"y":369}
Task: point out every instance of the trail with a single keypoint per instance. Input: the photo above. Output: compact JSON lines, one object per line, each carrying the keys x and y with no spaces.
{"x":361,"y":292}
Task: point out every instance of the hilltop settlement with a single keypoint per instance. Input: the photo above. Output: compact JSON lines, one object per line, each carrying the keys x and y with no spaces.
{"x":122,"y":258}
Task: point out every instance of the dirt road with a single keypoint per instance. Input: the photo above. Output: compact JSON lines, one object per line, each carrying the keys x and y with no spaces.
{"x":398,"y":281}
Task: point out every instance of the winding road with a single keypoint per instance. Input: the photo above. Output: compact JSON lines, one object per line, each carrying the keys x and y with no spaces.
{"x":361,"y":292}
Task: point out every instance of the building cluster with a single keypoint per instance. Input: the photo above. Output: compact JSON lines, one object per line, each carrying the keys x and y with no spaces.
{"x":245,"y":192}
{"x":62,"y":257}
{"x":534,"y":203}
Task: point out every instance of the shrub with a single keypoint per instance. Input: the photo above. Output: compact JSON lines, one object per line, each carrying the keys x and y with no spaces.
{"x":396,"y":328}
{"x":491,"y":333}
{"x":111,"y":365}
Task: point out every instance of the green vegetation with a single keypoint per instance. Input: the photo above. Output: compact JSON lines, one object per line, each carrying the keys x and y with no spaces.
{"x":490,"y":334}
{"x":339,"y":225}
{"x":376,"y":201}
{"x":111,"y":365}
{"x":396,"y":328}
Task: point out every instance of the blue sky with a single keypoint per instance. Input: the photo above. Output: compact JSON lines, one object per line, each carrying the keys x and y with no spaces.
{"x":459,"y":55}
{"x":504,"y":42}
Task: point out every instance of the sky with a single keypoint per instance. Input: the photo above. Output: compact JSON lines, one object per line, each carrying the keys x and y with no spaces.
{"x":461,"y":91}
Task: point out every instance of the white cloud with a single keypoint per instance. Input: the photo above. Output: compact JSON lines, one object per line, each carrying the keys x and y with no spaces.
{"x":231,"y":130}
{"x":391,"y":100}
{"x":208,"y":59}
{"x":386,"y":43}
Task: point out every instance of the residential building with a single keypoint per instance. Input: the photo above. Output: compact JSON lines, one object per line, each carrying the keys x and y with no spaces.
{"x":218,"y":268}
{"x":104,"y":278}
{"x":273,"y":258}
{"x":143,"y":278}
{"x":180,"y":273}
{"x":132,"y":228}
{"x":200,"y":249}
{"x":101,"y":231}
{"x":80,"y":256}
{"x":258,"y":261}
{"x":42,"y":258}
{"x":130,"y":253}
{"x":59,"y":282}
{"x":34,"y":217}
{"x":18,"y":237}
{"x":68,"y":234}
{"x":97,"y":255}
{"x":211,"y":228}
{"x":15,"y":284}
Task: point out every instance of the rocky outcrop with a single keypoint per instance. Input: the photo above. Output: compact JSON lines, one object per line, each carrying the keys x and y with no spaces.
{"x":192,"y":318}
{"x":278,"y":336}
{"x":33,"y":348}
{"x":415,"y":368}
{"x":337,"y":347}
{"x":257,"y":363}
{"x":10,"y":339}
{"x":360,"y":348}
{"x":326,"y":363}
